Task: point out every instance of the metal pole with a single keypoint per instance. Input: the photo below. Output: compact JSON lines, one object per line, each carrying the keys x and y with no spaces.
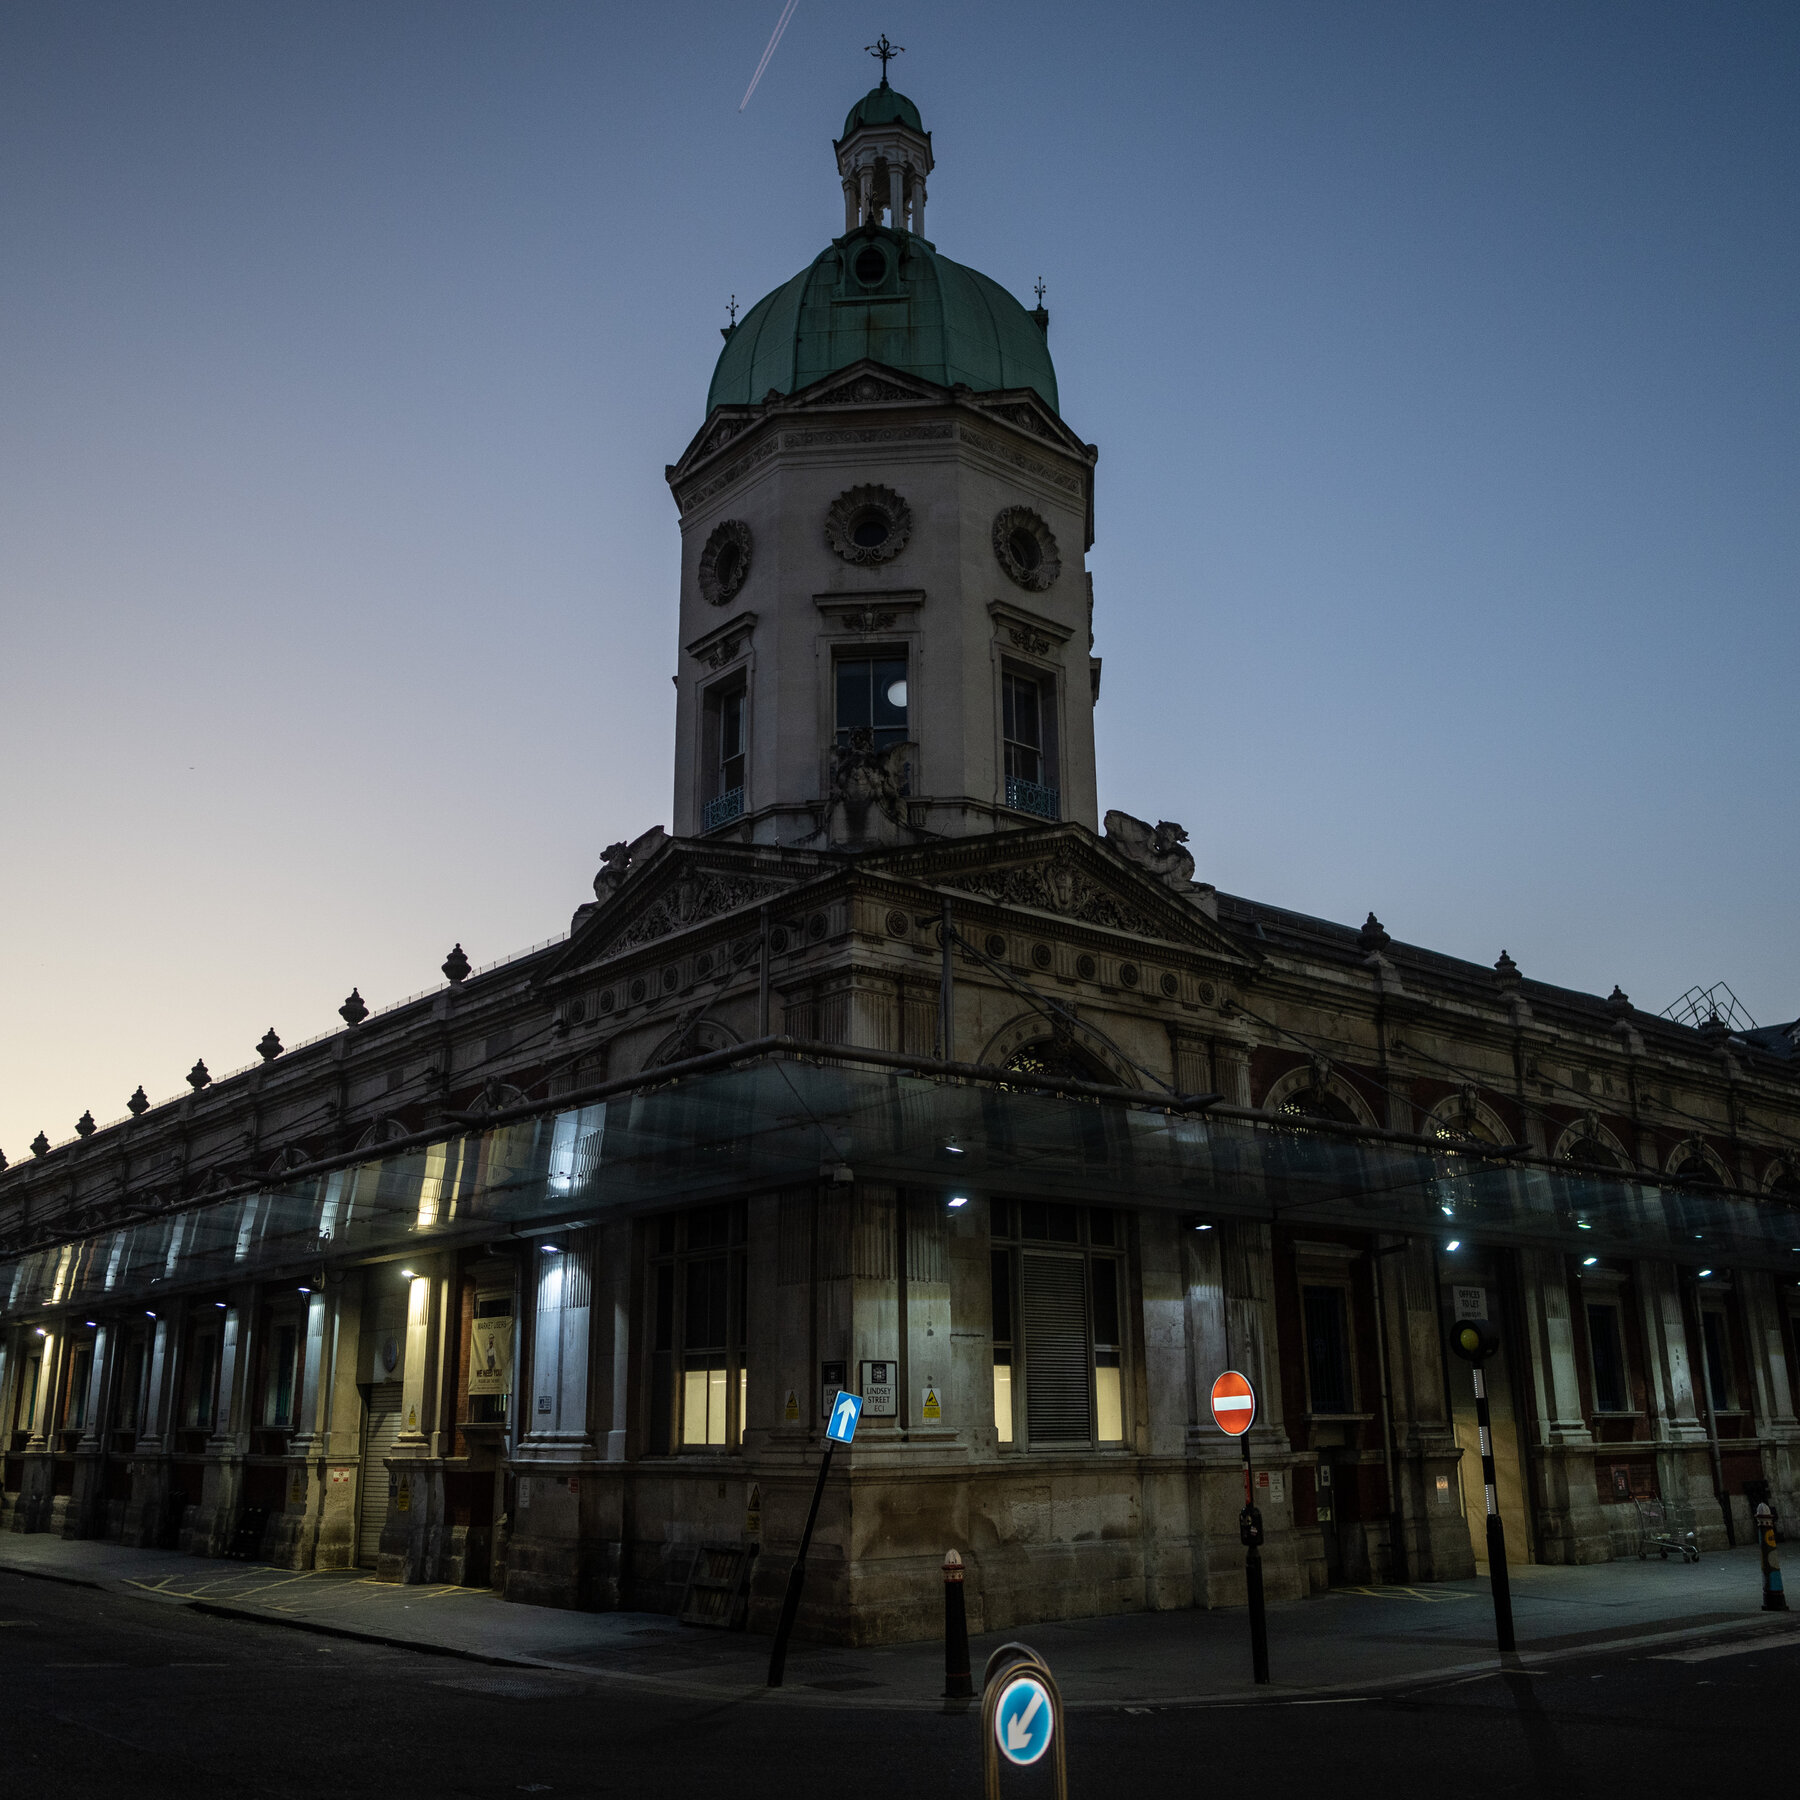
{"x":1253,"y":1581}
{"x":1712,"y":1422}
{"x":790,"y":1605}
{"x":947,"y":990}
{"x":1496,"y":1532}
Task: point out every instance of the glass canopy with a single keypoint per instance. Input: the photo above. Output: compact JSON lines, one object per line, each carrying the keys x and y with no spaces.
{"x":785,"y":1120}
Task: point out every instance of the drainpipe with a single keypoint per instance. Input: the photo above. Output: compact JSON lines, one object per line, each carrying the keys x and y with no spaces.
{"x":1389,"y":1449}
{"x":1712,"y":1419}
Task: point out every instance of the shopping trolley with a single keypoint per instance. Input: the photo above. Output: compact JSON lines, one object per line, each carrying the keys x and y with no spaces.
{"x":1655,"y":1531}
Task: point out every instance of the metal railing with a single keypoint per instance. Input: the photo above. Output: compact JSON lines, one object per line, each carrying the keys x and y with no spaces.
{"x":1033,"y":797}
{"x":722,"y":811}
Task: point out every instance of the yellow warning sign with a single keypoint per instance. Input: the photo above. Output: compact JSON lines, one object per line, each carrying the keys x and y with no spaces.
{"x":412,"y":1418}
{"x":790,"y":1410}
{"x":930,"y":1411}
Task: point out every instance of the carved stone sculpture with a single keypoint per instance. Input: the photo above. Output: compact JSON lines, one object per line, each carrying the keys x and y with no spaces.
{"x":868,"y":791}
{"x":617,"y":861}
{"x":1157,"y":848}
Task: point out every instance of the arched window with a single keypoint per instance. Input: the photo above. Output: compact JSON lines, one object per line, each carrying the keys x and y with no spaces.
{"x":1591,"y":1150}
{"x":1316,"y":1103}
{"x":1059,"y":1059}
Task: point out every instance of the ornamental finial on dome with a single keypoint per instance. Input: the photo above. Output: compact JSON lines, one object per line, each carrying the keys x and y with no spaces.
{"x":886,"y":51}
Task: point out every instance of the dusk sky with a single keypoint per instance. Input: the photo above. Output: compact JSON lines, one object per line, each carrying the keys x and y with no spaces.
{"x":1444,"y":363}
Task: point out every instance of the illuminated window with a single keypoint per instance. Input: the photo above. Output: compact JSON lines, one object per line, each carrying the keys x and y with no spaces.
{"x":699,"y":1377}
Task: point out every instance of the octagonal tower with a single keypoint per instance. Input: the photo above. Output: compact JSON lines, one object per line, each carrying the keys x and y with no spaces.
{"x":885,"y":608}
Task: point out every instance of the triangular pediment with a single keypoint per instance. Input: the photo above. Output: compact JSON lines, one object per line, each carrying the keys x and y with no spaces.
{"x":1024,"y":411}
{"x":1065,"y":872}
{"x":868,"y":383}
{"x":685,"y":884}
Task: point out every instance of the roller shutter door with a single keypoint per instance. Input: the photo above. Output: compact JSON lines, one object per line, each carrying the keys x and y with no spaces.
{"x":381,"y":1427}
{"x":1058,"y":1387}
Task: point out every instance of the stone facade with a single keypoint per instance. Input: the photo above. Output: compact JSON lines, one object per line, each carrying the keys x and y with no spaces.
{"x":393,"y":1300}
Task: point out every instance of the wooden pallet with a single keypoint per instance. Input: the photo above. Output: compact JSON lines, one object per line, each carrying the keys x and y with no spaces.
{"x":718,"y":1587}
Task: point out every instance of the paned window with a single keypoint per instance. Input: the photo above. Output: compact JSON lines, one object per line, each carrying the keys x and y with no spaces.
{"x":1612,"y":1393}
{"x":699,"y":1379}
{"x":81,"y":1367}
{"x":1057,"y":1275}
{"x":29,"y":1377}
{"x":281,"y":1375}
{"x":727,"y":745}
{"x":1718,"y":1360}
{"x":128,"y":1395}
{"x":201,"y":1380}
{"x":1028,"y":741}
{"x":1325,"y":1318}
{"x":871,"y":698}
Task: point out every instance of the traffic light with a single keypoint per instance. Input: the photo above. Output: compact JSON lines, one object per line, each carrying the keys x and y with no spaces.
{"x":1474,"y":1340}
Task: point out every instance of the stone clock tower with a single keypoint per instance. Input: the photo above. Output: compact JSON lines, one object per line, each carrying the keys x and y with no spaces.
{"x":885,"y":609}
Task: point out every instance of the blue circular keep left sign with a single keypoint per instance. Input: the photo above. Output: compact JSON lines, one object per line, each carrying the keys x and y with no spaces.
{"x":1024,"y":1720}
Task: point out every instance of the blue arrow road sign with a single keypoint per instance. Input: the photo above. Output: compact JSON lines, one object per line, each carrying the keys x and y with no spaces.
{"x":1023,"y":1720}
{"x":844,"y":1415}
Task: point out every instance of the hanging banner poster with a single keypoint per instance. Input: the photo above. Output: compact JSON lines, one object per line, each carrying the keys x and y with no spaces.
{"x":490,"y":1354}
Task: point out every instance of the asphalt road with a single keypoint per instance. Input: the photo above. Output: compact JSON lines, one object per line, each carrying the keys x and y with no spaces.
{"x":102,"y":1696}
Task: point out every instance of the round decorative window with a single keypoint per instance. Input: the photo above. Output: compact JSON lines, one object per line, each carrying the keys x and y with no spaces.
{"x":671,"y":979}
{"x":1128,"y":974}
{"x":703,"y":965}
{"x":1040,"y":956}
{"x":1170,"y":986}
{"x":815,"y":926}
{"x":868,"y":525}
{"x":725,"y":562}
{"x":896,"y":924}
{"x":639,"y":988}
{"x":996,"y":945}
{"x":577,"y":1010}
{"x":1025,"y":548}
{"x":871,"y":266}
{"x":1206,"y":993}
{"x":606,"y":1000}
{"x":1085,"y":967}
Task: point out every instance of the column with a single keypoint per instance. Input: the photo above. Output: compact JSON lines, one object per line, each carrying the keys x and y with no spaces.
{"x":918,"y":206}
{"x":418,"y":1363}
{"x":850,"y":198}
{"x":93,"y":1413}
{"x":153,"y":1421}
{"x":310,"y":1414}
{"x":561,"y":1327}
{"x":1571,"y":1527}
{"x":51,"y":1344}
{"x":896,"y":191}
{"x":865,"y":195}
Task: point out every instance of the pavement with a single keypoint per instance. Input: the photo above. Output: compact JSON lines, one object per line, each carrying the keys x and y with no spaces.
{"x":1350,"y":1638}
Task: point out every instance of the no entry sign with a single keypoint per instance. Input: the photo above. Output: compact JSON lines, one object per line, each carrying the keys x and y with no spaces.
{"x":1233,"y":1403}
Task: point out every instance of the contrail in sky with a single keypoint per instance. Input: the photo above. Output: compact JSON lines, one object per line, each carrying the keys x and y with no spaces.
{"x":781,"y":25}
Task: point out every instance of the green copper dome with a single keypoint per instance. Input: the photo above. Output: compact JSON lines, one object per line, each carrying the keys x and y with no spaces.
{"x":882,"y":106}
{"x":889,"y":296}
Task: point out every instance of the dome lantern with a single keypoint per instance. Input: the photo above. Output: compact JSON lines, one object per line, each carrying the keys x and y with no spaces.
{"x":884,"y":156}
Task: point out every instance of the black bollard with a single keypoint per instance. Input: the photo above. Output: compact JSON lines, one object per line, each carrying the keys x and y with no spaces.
{"x":957,"y":1685}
